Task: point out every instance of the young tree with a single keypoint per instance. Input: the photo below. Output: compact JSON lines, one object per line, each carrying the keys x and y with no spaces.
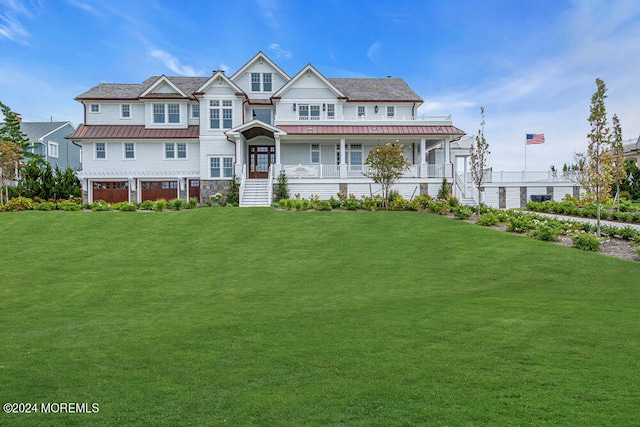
{"x":9,"y":157}
{"x":387,"y":164}
{"x":479,"y":157}
{"x":600,"y":158}
{"x":11,"y":131}
{"x":618,"y":169}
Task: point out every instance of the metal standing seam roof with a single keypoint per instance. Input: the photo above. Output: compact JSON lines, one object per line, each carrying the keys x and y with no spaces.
{"x":132,"y":132}
{"x":371,"y":130}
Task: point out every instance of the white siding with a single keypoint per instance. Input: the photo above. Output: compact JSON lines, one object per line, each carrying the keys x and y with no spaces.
{"x":110,"y":114}
{"x":215,"y":146}
{"x":244,"y":80}
{"x":309,"y":93}
{"x":490,"y":197}
{"x":149,"y":156}
{"x":406,"y":190}
{"x":513,"y":197}
{"x":324,"y":191}
{"x":560,"y":192}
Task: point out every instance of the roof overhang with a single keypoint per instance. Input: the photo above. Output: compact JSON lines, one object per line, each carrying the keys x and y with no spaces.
{"x":136,"y":132}
{"x":255,"y":128}
{"x":373,"y":130}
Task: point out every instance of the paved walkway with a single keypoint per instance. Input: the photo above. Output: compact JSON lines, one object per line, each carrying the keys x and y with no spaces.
{"x":589,"y":220}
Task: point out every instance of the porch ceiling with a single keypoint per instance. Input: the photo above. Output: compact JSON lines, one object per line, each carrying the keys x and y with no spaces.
{"x":370,"y":130}
{"x":256,"y":131}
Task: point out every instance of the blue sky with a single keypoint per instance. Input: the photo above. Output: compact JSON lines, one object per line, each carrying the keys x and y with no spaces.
{"x":531,"y":64}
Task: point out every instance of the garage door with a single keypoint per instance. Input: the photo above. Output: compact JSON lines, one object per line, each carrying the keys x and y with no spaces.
{"x":111,"y":192}
{"x":156,"y":190}
{"x":194,"y":188}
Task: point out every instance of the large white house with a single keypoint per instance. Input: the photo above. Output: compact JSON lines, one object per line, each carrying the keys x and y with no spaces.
{"x":171,"y":137}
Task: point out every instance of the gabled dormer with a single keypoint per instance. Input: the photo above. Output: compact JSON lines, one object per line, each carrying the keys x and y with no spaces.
{"x":260,"y":78}
{"x":220,"y":104}
{"x":165,"y":105}
{"x":308,"y":96}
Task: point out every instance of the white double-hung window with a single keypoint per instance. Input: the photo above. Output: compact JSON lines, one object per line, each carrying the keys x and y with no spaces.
{"x":166,"y":113}
{"x":261,"y":82}
{"x":309,"y":111}
{"x":220,"y":114}
{"x":221,"y":167}
{"x":53,"y":149}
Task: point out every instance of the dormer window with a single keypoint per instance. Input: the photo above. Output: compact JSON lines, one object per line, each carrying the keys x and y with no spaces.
{"x":261,"y":82}
{"x":166,"y":113}
{"x":125,"y":111}
{"x":94,"y":108}
{"x":361,"y":110}
{"x":195,"y":111}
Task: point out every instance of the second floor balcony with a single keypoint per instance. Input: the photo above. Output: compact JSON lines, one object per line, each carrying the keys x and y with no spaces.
{"x":324,"y":119}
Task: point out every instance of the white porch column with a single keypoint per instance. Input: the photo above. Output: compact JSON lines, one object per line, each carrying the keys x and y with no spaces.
{"x":447,"y":157}
{"x":466,"y":158}
{"x":424,"y":168}
{"x":240,"y":154}
{"x":277,"y":138}
{"x":343,"y":159}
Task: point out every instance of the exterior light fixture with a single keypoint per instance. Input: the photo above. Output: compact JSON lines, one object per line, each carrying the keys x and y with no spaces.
{"x":294,"y":106}
{"x":376,"y":109}
{"x":324,"y":107}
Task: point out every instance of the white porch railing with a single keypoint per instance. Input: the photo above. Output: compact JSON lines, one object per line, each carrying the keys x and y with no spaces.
{"x":378,"y":118}
{"x":301,"y":171}
{"x":525,"y":176}
{"x":243,"y":179}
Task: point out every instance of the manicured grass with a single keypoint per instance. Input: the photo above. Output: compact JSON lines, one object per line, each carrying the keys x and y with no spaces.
{"x":255,"y":316}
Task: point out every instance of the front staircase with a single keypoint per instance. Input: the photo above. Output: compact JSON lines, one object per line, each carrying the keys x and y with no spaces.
{"x":255,"y":193}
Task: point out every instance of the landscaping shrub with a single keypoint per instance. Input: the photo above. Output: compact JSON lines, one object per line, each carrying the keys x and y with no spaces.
{"x":160,"y":205}
{"x":371,"y":203}
{"x":335,"y":203}
{"x":323,"y":205}
{"x":44,"y":206}
{"x":421,"y":203}
{"x":282,"y":187}
{"x":520,"y":224}
{"x":193,"y":202}
{"x":488,"y":219}
{"x":66,"y":205}
{"x":124,"y":207}
{"x":147,"y":205}
{"x":19,"y":204}
{"x":587,"y":242}
{"x":100,"y":205}
{"x":462,"y":212}
{"x":177,"y":204}
{"x":351,"y":203}
{"x":547,"y":233}
{"x":443,"y":192}
{"x":399,"y":203}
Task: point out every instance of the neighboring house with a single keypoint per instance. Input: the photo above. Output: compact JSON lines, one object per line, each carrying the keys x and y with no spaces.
{"x":632,"y":150}
{"x":170,"y":137}
{"x":48,"y":139}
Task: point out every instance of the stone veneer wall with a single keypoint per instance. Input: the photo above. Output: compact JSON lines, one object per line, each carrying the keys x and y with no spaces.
{"x":210,"y":188}
{"x":523,"y":197}
{"x":424,"y":188}
{"x":132,"y":195}
{"x":344,"y":189}
{"x":502,"y":197}
{"x":576,"y":191}
{"x":550,"y":192}
{"x":85,"y":196}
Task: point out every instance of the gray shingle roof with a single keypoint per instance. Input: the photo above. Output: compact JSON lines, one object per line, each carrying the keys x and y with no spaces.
{"x":368,"y":89}
{"x":36,"y":130}
{"x":355,"y":89}
{"x":132,"y":91}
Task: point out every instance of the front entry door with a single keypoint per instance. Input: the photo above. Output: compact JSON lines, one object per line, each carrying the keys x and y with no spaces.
{"x":260,"y":158}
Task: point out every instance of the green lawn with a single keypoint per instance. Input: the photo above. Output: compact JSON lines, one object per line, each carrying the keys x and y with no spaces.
{"x":255,"y":316}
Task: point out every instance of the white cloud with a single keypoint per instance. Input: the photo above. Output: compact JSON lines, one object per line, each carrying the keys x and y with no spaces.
{"x":278,"y":51}
{"x":269,"y":9}
{"x":173,"y":63}
{"x":551,"y":94}
{"x":373,"y":52}
{"x":11,"y":26}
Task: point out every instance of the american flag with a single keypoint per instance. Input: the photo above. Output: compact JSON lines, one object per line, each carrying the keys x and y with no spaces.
{"x":535,"y":138}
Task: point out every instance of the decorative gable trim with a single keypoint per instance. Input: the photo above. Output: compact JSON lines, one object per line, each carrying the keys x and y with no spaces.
{"x":162,"y":79}
{"x":219,"y":77}
{"x":309,"y":69}
{"x":260,"y":55}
